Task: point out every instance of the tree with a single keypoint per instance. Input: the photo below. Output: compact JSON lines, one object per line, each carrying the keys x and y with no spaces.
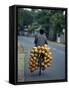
{"x":58,"y":20}
{"x":24,"y":17}
{"x":48,"y":19}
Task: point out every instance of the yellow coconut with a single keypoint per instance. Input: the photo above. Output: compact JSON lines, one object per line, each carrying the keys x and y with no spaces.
{"x":32,"y":69}
{"x":49,"y":64}
{"x":31,"y":59}
{"x":45,"y":48}
{"x":50,"y":53}
{"x":45,"y":58}
{"x":45,"y":61}
{"x":35,"y":55}
{"x":38,"y":47}
{"x":36,"y":50}
{"x":36,"y":68}
{"x":33,"y":65}
{"x":33,"y":62}
{"x":34,"y":58}
{"x":46,"y":54}
{"x":43,"y":52}
{"x":39,"y":51}
{"x":45,"y":45}
{"x":36,"y":63}
{"x":48,"y":49}
{"x":45,"y":66}
{"x":42,"y":48}
{"x":42,"y":63}
{"x":32,"y":51}
{"x":32,"y":55}
{"x":30,"y":63}
{"x":50,"y":58}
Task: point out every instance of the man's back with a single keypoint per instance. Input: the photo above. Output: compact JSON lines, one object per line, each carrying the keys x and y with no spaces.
{"x":40,"y":40}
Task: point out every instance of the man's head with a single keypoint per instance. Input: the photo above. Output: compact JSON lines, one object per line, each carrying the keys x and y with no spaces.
{"x":41,"y":31}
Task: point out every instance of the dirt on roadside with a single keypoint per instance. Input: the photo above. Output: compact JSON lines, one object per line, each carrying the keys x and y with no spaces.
{"x":20,"y":63}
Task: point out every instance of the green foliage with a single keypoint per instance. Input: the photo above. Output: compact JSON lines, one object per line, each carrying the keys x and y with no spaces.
{"x":43,"y":17}
{"x":58,"y":20}
{"x":24,"y":17}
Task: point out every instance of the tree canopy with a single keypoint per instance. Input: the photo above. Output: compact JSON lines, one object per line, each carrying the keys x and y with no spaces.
{"x":45,"y":18}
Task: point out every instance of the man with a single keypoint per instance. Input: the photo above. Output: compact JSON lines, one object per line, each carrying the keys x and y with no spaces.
{"x":40,"y":39}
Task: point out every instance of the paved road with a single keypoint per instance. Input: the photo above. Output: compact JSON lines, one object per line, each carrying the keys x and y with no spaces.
{"x":57,"y":69}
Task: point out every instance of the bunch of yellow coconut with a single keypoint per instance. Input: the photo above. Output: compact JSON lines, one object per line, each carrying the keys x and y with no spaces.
{"x":34,"y":60}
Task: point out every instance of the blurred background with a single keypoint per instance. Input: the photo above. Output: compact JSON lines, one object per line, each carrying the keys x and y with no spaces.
{"x":52,"y":21}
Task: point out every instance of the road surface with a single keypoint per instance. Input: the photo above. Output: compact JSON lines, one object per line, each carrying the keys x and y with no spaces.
{"x":54,"y":72}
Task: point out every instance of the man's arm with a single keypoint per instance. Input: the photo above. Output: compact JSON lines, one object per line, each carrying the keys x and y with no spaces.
{"x":46,"y":40}
{"x":35,"y":41}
